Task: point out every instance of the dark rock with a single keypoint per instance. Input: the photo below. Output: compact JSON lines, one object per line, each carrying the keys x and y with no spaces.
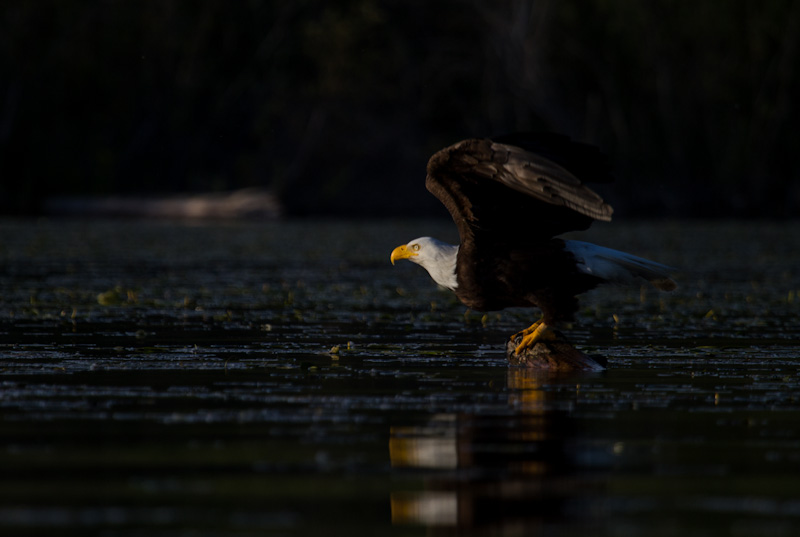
{"x":554,"y":355}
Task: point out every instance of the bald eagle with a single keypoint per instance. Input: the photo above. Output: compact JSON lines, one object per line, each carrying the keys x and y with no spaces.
{"x":510,"y":198}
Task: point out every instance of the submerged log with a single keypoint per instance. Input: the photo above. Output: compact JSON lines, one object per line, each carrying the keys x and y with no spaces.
{"x":554,"y":355}
{"x":247,"y":203}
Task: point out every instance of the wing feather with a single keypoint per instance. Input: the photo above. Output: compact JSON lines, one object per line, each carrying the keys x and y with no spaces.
{"x":518,"y":193}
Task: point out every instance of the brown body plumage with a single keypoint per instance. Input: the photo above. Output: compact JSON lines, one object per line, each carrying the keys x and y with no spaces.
{"x":509,"y":200}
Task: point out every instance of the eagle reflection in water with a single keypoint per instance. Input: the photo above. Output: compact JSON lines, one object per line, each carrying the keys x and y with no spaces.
{"x":525,"y":469}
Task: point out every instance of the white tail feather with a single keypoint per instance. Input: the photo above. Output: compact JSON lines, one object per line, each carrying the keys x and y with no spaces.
{"x":616,"y":266}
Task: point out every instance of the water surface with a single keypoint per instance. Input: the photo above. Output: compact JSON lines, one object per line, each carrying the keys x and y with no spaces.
{"x":285,"y":379}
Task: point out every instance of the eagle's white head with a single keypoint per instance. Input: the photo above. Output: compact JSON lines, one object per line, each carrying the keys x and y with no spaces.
{"x":435,"y":256}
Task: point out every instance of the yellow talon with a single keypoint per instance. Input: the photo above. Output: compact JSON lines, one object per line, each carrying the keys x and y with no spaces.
{"x":541,"y":332}
{"x":528,"y":330}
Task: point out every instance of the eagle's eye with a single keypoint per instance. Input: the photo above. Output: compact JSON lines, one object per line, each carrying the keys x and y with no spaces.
{"x":415,"y":247}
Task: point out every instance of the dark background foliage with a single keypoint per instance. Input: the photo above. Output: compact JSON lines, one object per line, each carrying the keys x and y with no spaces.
{"x":336,"y":106}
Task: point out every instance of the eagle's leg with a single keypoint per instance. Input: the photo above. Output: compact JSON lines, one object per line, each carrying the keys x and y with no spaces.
{"x":541,"y":332}
{"x":528,"y":330}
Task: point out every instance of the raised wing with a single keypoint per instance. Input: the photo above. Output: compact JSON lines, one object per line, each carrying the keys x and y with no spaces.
{"x":519,"y":189}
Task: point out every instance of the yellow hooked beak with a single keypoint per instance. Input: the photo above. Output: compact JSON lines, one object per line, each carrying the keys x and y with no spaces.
{"x":402,"y":252}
